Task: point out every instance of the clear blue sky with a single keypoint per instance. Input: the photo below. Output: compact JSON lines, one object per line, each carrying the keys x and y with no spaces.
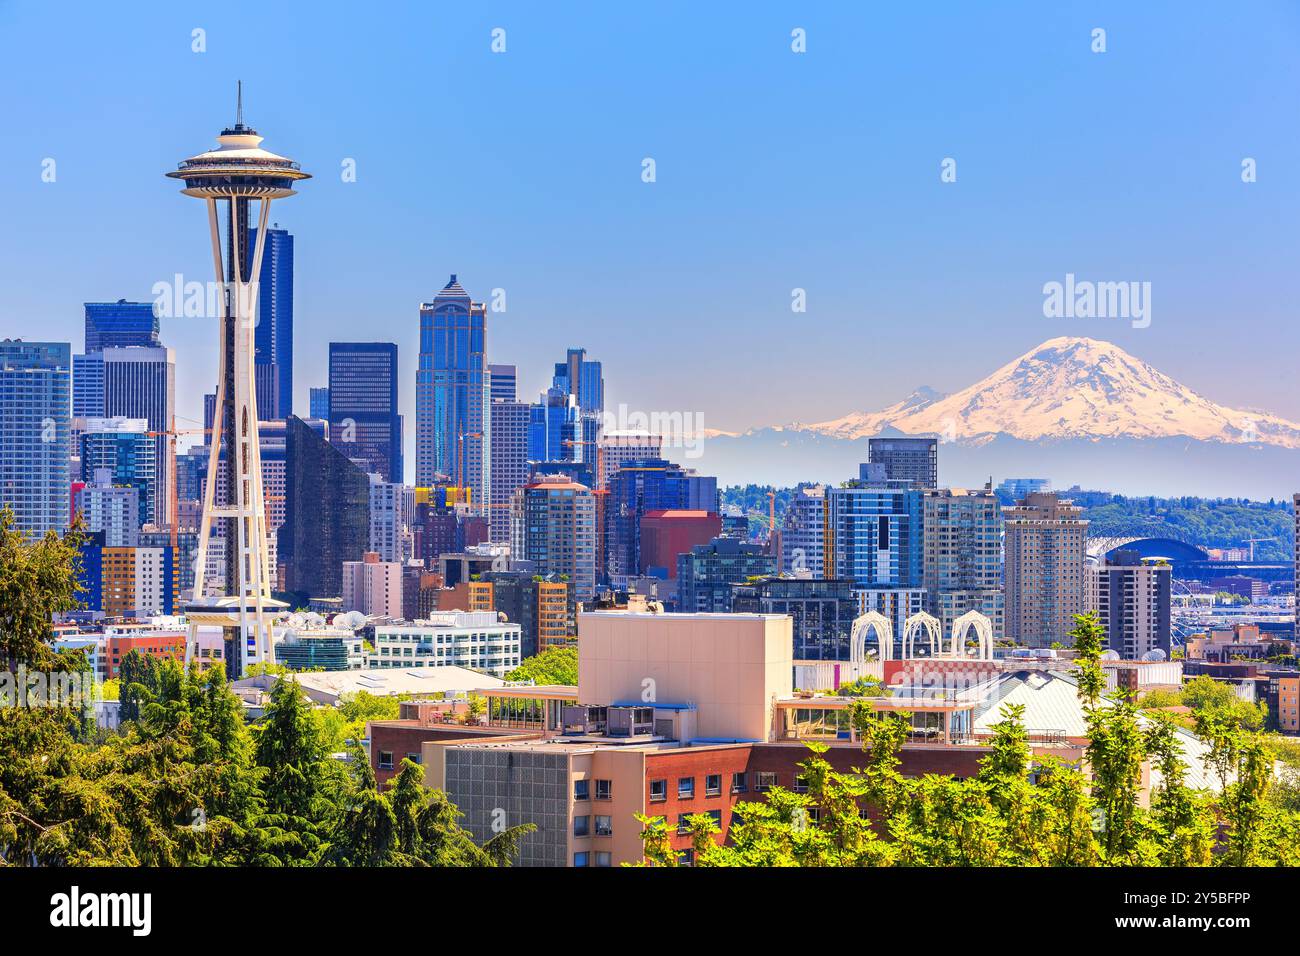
{"x":775,"y":170}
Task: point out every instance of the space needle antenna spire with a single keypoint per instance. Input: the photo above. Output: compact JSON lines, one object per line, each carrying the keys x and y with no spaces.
{"x":236,"y":598}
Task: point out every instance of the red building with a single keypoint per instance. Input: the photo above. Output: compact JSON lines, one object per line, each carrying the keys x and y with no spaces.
{"x":117,"y":647}
{"x":669,"y":532}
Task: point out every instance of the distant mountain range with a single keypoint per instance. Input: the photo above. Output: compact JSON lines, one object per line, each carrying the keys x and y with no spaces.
{"x":1074,"y":410}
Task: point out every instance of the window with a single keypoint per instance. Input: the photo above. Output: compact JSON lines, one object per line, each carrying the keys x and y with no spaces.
{"x":800,"y":784}
{"x":682,"y":826}
{"x":713,"y":785}
{"x":717,"y":817}
{"x":385,"y":760}
{"x":602,"y":789}
{"x":414,"y":758}
{"x":658,"y":789}
{"x":765,"y":780}
{"x":685,"y":788}
{"x":581,"y":826}
{"x":686,"y":857}
{"x":580,"y":859}
{"x":581,"y":790}
{"x":739,"y":783}
{"x":604,"y":858}
{"x":604,"y":826}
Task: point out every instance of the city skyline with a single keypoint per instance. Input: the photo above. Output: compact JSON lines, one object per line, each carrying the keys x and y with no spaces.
{"x":587,"y":253}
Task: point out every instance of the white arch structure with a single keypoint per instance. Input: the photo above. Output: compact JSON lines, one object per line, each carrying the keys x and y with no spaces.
{"x":872,"y":620}
{"x":983,"y":632}
{"x":916,"y":623}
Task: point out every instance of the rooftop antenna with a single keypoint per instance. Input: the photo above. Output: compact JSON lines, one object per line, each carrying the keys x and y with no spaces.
{"x":239,"y":102}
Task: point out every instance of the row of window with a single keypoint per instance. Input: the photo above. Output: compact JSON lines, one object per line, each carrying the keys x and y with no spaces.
{"x":604,"y":826}
{"x":763,"y":780}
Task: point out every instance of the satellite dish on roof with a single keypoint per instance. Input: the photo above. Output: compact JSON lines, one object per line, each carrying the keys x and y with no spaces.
{"x":1155,"y":654}
{"x":1110,"y":655}
{"x":352,"y":620}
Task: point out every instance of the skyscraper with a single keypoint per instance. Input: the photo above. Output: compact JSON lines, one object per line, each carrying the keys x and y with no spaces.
{"x":963,"y":556}
{"x":319,"y":399}
{"x":583,"y":380}
{"x":617,"y":448}
{"x":907,"y":459}
{"x":120,"y":324}
{"x":35,"y":423}
{"x":1132,"y":600}
{"x":140,"y":382}
{"x":803,"y":532}
{"x":874,"y":533}
{"x":650,"y":485}
{"x":273,"y":338}
{"x":364,"y":422}
{"x":125,"y":449}
{"x":112,"y":510}
{"x":327,"y":513}
{"x":453,"y":388}
{"x":1045,"y":547}
{"x":554,"y":526}
{"x":509,"y":462}
{"x":504,"y":382}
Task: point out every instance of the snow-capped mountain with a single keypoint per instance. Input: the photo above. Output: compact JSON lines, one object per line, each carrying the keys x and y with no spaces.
{"x":1069,"y":388}
{"x":1073,"y":410}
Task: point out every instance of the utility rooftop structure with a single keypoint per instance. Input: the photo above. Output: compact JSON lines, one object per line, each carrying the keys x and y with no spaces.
{"x":235,"y":173}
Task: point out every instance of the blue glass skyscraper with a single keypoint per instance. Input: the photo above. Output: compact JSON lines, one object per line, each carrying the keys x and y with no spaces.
{"x":273,"y":338}
{"x":453,"y":391}
{"x":364,"y":423}
{"x":35,"y":424}
{"x":120,"y":324}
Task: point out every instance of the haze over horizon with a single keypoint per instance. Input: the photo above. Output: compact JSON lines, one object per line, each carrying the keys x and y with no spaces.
{"x":775,"y":171}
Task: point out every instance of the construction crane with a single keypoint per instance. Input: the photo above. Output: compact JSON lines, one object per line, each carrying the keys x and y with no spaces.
{"x":172,"y":517}
{"x":1251,"y":542}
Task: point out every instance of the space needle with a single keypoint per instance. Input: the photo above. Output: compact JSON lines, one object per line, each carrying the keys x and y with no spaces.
{"x":228,"y":178}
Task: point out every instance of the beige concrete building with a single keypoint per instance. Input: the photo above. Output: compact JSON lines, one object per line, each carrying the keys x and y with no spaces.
{"x":730,"y":666}
{"x":1045,"y":554}
{"x":373,"y":587}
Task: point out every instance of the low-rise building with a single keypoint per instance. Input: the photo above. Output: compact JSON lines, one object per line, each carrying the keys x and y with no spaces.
{"x":474,"y":639}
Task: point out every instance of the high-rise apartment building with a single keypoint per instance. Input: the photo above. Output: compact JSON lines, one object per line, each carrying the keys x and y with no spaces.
{"x":874,"y":533}
{"x":907,"y":459}
{"x":822,"y":612}
{"x":390,"y":536}
{"x":616,"y":448}
{"x":111,"y":510}
{"x":509,"y":470}
{"x":364,"y":421}
{"x":1132,"y":599}
{"x":803,"y":533}
{"x":273,"y":338}
{"x":140,"y":382}
{"x":706,"y":574}
{"x":35,"y":433}
{"x":124,"y":449}
{"x":1045,"y":549}
{"x":453,"y":391}
{"x":963,"y":556}
{"x":373,"y":586}
{"x":553,"y":524}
